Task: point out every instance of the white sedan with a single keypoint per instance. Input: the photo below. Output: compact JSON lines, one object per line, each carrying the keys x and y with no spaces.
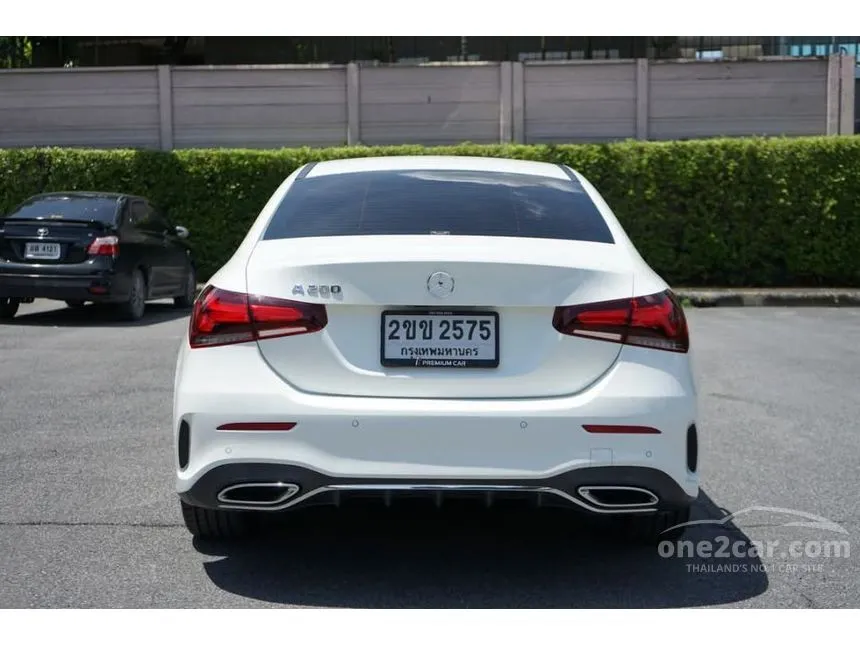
{"x":436,"y":327}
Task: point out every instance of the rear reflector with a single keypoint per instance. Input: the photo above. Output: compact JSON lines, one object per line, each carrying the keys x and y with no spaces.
{"x":104,"y":246}
{"x":223,"y":317}
{"x":598,"y":429}
{"x":255,"y":426}
{"x":656,"y":321}
{"x":183,"y":445}
{"x":692,"y":448}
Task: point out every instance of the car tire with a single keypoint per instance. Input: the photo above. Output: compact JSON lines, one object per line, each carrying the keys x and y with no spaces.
{"x":75,"y":304}
{"x":134,"y":308}
{"x":8,"y":308}
{"x":654,"y":528}
{"x":214,"y":524}
{"x":186,"y":300}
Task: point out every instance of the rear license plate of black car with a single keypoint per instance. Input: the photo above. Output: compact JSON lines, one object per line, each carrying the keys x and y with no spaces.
{"x":41,"y":251}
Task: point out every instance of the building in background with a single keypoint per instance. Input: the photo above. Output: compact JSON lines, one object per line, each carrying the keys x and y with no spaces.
{"x":233,"y":50}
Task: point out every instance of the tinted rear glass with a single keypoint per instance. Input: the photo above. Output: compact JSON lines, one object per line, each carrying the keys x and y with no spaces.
{"x":452,"y":202}
{"x":102,"y":209}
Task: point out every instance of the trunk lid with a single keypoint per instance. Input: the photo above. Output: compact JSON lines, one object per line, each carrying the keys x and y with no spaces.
{"x":359,"y":278}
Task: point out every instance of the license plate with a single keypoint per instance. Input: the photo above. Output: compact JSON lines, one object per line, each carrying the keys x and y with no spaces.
{"x":41,"y":251}
{"x":440,"y":339}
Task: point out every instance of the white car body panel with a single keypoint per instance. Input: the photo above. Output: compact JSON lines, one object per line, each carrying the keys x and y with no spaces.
{"x":355,"y":418}
{"x":403,"y":438}
{"x":521,"y":280}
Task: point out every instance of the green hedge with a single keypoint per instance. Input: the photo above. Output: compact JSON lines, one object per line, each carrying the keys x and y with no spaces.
{"x":737,"y":212}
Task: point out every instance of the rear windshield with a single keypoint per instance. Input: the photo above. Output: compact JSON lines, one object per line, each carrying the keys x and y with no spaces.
{"x":67,"y":207}
{"x":441,"y":202}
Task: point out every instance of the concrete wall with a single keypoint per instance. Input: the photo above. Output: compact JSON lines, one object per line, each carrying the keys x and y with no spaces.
{"x":429,"y":105}
{"x":104,"y":108}
{"x":580,"y":102}
{"x":533,"y":102}
{"x":258,"y":108}
{"x":736,"y":99}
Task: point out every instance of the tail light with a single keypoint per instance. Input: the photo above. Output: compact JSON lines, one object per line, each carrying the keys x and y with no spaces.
{"x":104,"y":246}
{"x":656,"y":321}
{"x":223,"y":317}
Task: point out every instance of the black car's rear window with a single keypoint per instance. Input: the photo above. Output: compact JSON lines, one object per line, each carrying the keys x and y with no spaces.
{"x":444,"y":202}
{"x":67,"y":207}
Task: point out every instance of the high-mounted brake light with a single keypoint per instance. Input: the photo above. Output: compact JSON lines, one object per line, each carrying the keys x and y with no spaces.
{"x":223,"y":317}
{"x":108,"y":245}
{"x":656,"y":321}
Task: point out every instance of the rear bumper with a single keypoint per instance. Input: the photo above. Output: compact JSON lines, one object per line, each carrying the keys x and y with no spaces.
{"x":399,"y":442}
{"x":309,"y":487}
{"x":97,"y":287}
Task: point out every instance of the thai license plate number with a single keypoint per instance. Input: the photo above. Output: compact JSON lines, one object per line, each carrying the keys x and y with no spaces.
{"x":41,"y":251}
{"x":440,"y":339}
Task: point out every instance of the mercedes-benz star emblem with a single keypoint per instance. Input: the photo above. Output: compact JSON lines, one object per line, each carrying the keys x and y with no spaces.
{"x":440,"y":284}
{"x":42,"y":232}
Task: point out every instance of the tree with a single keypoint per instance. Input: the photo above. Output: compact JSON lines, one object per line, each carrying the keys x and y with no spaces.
{"x":665,"y":46}
{"x":15,"y":51}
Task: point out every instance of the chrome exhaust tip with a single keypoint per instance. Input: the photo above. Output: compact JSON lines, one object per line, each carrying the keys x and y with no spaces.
{"x":618,"y":496}
{"x":257,"y":494}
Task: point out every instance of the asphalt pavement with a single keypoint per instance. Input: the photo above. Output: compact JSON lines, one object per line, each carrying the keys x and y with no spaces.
{"x":88,"y":516}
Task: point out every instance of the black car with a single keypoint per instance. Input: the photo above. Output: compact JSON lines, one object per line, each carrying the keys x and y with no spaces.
{"x":93,"y":247}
